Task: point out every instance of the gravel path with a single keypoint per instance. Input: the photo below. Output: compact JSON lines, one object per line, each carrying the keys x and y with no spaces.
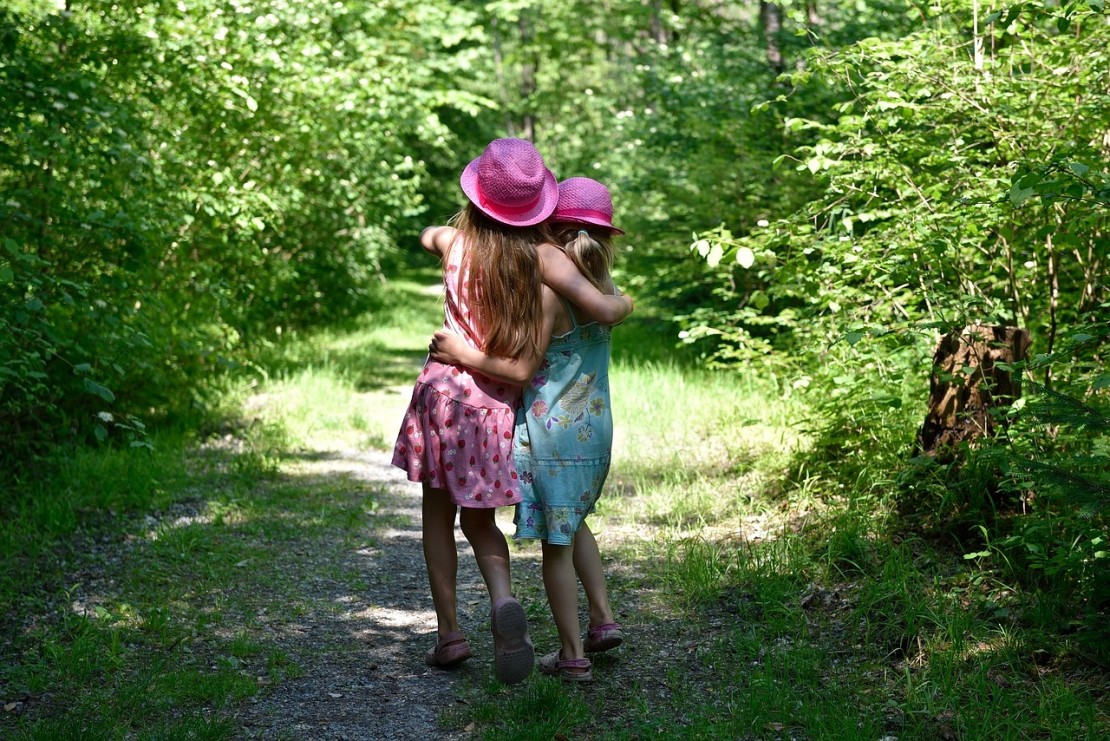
{"x":363,"y":675}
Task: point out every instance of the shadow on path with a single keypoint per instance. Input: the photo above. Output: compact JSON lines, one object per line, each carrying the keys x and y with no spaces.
{"x":360,"y":646}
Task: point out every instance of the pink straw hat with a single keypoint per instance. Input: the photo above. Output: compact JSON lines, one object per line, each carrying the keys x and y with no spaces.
{"x":509,"y":183}
{"x":585,"y":201}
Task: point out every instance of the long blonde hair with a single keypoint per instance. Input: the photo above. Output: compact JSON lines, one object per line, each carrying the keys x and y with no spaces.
{"x":504,"y":283}
{"x":590,"y":251}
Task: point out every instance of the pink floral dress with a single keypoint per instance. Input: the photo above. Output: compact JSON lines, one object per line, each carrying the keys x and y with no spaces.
{"x":457,"y":433}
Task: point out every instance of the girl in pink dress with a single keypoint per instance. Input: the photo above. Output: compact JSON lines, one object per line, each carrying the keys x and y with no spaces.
{"x":456,"y":436}
{"x":564,"y":434}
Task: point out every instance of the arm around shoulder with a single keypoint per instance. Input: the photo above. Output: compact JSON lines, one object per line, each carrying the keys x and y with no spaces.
{"x":438,"y":239}
{"x":563,"y":276}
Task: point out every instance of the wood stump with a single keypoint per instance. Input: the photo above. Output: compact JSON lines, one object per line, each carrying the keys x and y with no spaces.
{"x":966,"y":385}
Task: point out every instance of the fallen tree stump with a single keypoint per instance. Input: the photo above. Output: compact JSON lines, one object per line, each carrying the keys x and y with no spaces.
{"x":966,"y":385}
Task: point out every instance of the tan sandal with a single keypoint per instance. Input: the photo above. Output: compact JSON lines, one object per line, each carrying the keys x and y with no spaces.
{"x":569,"y":670}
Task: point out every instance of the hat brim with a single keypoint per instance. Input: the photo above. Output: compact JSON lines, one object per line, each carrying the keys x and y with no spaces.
{"x":558,"y":219}
{"x":548,"y":200}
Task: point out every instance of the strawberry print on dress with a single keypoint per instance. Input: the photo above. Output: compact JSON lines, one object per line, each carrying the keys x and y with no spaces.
{"x":457,"y":433}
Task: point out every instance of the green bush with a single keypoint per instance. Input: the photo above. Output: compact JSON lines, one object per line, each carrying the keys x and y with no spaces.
{"x":178,"y":182}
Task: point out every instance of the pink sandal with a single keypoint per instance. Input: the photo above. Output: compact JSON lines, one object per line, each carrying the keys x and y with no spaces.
{"x":604,"y":638}
{"x":449,"y":651}
{"x":569,"y":670}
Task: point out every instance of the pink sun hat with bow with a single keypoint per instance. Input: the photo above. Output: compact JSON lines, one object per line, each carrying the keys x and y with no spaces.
{"x":585,"y":201}
{"x":509,"y":183}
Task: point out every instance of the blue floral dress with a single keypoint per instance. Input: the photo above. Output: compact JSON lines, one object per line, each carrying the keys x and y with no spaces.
{"x":563,"y":441}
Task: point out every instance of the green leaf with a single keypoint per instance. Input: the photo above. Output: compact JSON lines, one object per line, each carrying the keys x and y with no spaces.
{"x":1012,"y":14}
{"x":745,"y":257}
{"x":102,"y":391}
{"x":854,"y":337}
{"x":82,"y":368}
{"x":1019,"y":195}
{"x":716,"y":252}
{"x":6,"y":275}
{"x":1078,"y":168}
{"x":101,"y":433}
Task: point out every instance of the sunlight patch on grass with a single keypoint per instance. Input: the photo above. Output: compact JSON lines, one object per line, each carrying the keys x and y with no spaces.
{"x":695,"y":452}
{"x":668,"y":416}
{"x":348,"y":389}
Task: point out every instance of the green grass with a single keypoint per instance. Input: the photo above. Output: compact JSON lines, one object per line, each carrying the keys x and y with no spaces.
{"x":172,"y":641}
{"x":764,"y":596}
{"x":165,"y":643}
{"x":348,"y":387}
{"x":771,"y":600}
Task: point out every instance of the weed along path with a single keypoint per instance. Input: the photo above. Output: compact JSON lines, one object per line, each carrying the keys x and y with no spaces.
{"x":269,"y":582}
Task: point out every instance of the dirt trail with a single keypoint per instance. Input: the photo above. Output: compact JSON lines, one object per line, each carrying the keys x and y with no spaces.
{"x":363,"y":675}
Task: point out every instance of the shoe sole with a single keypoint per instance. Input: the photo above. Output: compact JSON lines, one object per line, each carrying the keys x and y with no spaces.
{"x":513,"y":655}
{"x":567,"y":676}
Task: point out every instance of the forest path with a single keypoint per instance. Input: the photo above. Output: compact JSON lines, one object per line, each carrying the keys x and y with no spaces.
{"x":360,"y":651}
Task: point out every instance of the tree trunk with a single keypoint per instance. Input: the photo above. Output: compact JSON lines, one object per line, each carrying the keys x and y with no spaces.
{"x":658,"y":30}
{"x":1053,"y":303}
{"x":967,"y":385}
{"x":527,"y":81}
{"x":770,"y":17}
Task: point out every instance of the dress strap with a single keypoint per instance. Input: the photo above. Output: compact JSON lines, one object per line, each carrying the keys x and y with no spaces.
{"x":455,"y":293}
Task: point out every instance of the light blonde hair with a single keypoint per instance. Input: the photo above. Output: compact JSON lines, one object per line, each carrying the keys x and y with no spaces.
{"x":504,"y":282}
{"x":590,"y":251}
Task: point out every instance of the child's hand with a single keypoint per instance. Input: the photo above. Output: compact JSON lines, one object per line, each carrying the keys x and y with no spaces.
{"x":623,"y":297}
{"x":447,"y":347}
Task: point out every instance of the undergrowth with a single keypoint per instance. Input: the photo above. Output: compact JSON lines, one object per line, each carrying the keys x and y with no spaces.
{"x":770,"y":578}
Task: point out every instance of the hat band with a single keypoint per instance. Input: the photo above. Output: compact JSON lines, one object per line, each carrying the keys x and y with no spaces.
{"x":504,"y":208}
{"x":581,"y":213}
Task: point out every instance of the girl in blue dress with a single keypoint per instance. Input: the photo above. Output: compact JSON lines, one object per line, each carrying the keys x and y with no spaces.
{"x":563,"y":439}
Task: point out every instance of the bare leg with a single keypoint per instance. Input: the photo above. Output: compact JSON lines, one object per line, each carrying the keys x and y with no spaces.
{"x":562,"y":595}
{"x":441,"y":556}
{"x":513,"y":655}
{"x":587,"y":562}
{"x":490,"y":550}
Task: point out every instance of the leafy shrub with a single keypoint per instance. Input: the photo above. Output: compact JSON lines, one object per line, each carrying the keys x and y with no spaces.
{"x":179,"y":182}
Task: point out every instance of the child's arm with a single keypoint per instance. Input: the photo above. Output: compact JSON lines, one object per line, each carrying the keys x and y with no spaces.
{"x":438,"y":239}
{"x":561,"y":274}
{"x":448,"y":347}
